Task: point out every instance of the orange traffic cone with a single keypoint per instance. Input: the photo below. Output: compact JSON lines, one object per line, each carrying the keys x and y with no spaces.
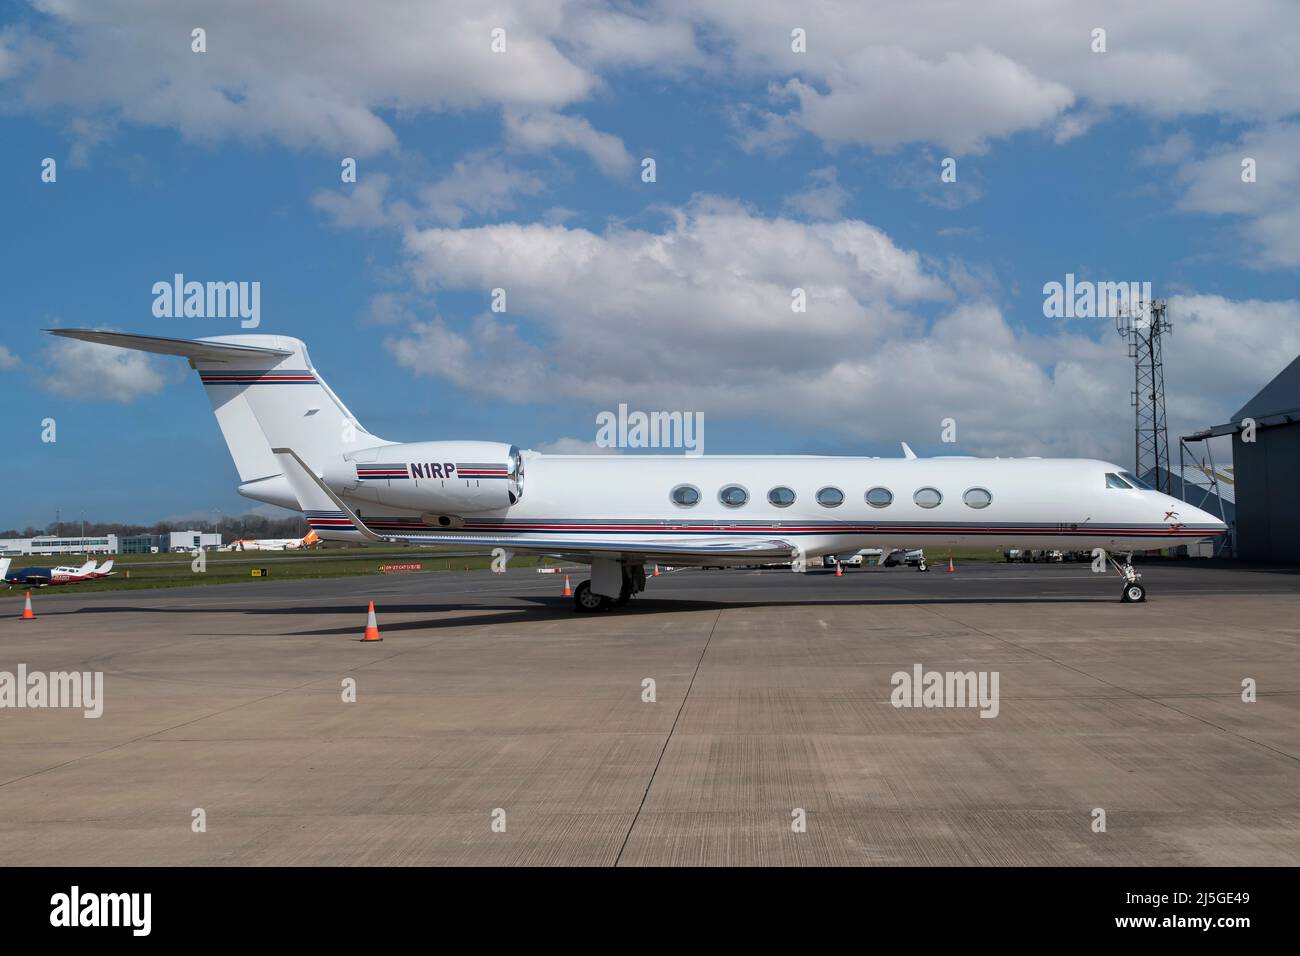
{"x":656,"y":574}
{"x":27,"y":609}
{"x":372,"y":626}
{"x":839,"y":570}
{"x":950,"y":567}
{"x":568,"y":591}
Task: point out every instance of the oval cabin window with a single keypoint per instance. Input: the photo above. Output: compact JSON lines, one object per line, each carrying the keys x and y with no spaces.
{"x":733,"y":496}
{"x":880,"y":497}
{"x":685,"y":496}
{"x":780,"y":497}
{"x":928,"y":497}
{"x":830,"y":497}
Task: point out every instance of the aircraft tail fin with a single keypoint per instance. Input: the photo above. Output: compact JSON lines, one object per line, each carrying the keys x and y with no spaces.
{"x":106,"y":570}
{"x":88,"y":567}
{"x":265,"y":393}
{"x":4,"y":567}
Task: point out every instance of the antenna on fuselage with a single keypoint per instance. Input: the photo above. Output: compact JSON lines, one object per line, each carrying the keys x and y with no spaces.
{"x":907,"y":451}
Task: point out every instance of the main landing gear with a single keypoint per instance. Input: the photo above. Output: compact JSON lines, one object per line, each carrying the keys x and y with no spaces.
{"x":1134,"y":592}
{"x":587,"y":601}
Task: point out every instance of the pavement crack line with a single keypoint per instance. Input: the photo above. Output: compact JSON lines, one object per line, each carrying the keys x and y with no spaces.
{"x":667,"y":740}
{"x":1154,"y":700}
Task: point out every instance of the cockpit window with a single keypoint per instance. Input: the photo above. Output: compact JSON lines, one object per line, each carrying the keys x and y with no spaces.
{"x":1135,"y":481}
{"x":1115,"y":481}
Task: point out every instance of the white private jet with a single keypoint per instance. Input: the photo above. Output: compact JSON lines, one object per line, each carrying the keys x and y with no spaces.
{"x":295,"y":444}
{"x":310,"y":539}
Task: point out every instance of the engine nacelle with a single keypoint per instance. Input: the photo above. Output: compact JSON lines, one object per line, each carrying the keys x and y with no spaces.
{"x":432,"y":477}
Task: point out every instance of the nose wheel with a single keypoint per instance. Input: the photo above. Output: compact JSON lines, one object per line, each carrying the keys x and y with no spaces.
{"x":1134,"y":591}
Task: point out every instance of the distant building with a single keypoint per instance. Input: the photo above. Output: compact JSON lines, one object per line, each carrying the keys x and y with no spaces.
{"x":1267,"y":469}
{"x":111,"y":544}
{"x":191,"y":541}
{"x":52,"y":544}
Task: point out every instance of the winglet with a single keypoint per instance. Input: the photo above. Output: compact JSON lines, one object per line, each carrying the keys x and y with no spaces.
{"x":907,"y":451}
{"x":314,"y":495}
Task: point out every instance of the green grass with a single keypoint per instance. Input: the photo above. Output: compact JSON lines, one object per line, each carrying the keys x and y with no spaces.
{"x":138,"y":571}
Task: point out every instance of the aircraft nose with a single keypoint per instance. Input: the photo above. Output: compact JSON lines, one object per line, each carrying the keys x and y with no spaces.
{"x":1213,"y":523}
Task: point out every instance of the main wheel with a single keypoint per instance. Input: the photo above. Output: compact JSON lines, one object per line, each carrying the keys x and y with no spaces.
{"x":1133,"y":594}
{"x":585,"y":600}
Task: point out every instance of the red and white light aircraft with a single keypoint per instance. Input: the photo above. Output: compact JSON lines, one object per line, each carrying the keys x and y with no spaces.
{"x":41,"y":577}
{"x":295,"y":444}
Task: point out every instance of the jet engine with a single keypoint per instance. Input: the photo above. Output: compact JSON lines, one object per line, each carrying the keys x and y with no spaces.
{"x":436,"y":478}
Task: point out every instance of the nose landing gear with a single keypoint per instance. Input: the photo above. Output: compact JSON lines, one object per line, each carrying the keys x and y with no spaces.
{"x":1134,"y":592}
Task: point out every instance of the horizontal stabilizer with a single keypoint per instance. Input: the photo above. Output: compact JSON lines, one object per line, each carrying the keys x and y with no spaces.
{"x":199,"y":349}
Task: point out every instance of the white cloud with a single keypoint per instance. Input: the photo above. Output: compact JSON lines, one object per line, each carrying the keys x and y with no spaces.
{"x":1170,"y":151}
{"x":547,"y":130}
{"x":388,"y":308}
{"x":1269,"y":207}
{"x":887,"y":97}
{"x":7,"y":359}
{"x":479,"y":184}
{"x":881,"y":74}
{"x":86,"y":134}
{"x":296,"y":71}
{"x":718,"y":279}
{"x":959,"y":75}
{"x":97,"y":372}
{"x":360,"y":205}
{"x":823,"y":198}
{"x":697,"y":316}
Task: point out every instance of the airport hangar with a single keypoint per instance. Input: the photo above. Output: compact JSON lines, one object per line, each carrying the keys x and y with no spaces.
{"x":1267,"y":470}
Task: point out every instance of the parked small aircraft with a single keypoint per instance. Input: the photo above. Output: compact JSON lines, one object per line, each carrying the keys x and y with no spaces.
{"x":40,"y":577}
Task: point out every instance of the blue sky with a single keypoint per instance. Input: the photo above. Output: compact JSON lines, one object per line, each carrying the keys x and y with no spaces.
{"x":773,"y":169}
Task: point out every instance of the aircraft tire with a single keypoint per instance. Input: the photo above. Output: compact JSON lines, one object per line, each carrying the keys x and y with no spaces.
{"x":587,"y":602}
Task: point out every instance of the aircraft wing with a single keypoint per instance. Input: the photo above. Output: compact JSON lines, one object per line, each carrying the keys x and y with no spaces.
{"x":314,"y":495}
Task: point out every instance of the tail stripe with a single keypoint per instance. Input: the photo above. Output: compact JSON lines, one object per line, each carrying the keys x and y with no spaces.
{"x":274,"y":377}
